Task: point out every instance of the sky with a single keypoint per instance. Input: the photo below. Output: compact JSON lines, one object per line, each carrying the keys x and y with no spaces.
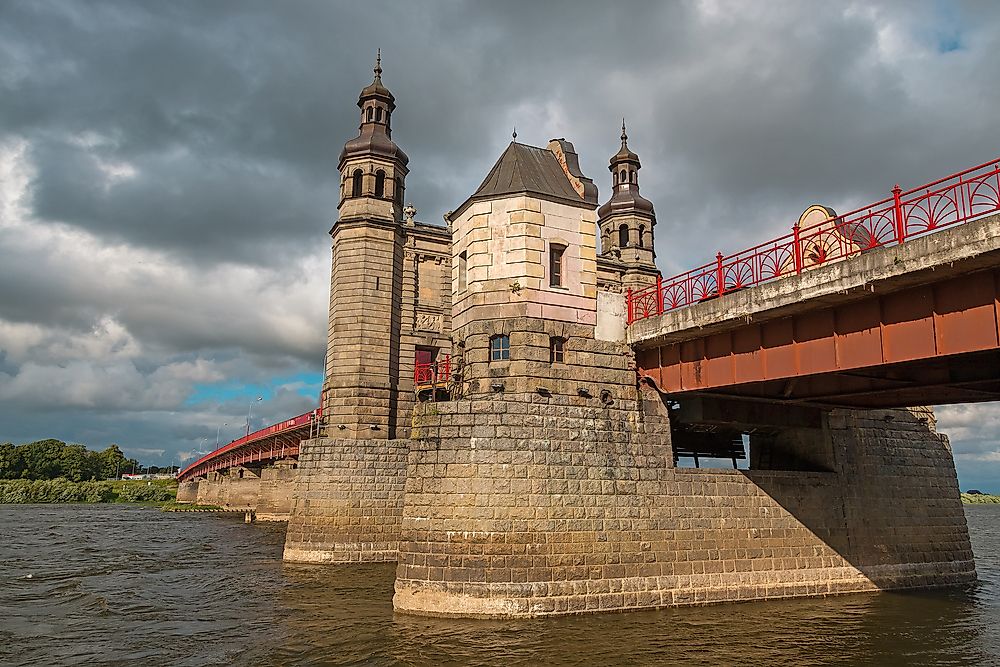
{"x":168,"y":170}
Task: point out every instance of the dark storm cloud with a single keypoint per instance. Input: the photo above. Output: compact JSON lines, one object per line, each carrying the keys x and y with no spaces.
{"x":170,"y":168}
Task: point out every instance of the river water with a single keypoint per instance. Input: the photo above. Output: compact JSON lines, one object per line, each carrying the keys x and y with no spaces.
{"x":127,"y":585}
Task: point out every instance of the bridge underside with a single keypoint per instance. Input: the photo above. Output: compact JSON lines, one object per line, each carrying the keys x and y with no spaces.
{"x":926,"y":345}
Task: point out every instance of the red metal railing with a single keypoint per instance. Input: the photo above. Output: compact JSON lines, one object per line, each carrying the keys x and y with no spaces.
{"x":949,"y":201}
{"x":271,"y":442}
{"x":433,"y":373}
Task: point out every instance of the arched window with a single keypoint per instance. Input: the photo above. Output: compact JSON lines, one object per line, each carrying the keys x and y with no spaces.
{"x":642,"y":232}
{"x":623,"y":236}
{"x":397,"y":194}
{"x":356,"y":185}
{"x":369,"y":114}
{"x":499,"y":348}
{"x":631,"y":176}
{"x":615,"y":175}
{"x":378,"y":114}
{"x":623,"y":176}
{"x":380,"y":183}
{"x":557,"y":350}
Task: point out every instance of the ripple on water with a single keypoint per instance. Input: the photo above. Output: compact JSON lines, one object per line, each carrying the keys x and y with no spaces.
{"x":120,"y":585}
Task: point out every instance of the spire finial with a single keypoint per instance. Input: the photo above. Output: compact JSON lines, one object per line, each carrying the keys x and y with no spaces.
{"x":378,"y":64}
{"x":624,"y":136}
{"x":514,"y":133}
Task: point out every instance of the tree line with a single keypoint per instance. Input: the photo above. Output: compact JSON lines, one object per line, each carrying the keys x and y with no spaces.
{"x":52,"y":459}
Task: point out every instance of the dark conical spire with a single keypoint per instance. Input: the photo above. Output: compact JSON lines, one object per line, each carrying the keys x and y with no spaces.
{"x":624,"y":167}
{"x":376,"y":89}
{"x":375,"y":132}
{"x":624,"y":154}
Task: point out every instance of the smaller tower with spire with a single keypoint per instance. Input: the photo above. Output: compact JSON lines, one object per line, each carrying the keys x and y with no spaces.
{"x":372,"y":167}
{"x":626,"y":221}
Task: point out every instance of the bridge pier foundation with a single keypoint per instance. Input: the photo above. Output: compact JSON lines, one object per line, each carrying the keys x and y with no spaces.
{"x":347,"y":501}
{"x":584,"y":521}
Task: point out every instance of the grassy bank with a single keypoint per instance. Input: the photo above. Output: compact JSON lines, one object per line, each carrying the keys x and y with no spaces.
{"x":23,"y":491}
{"x":980,"y":499}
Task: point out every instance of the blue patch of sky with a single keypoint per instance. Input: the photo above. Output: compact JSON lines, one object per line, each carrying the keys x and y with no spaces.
{"x":306,"y":384}
{"x":948,"y":29}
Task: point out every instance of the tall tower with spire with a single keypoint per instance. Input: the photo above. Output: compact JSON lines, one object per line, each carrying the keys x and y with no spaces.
{"x":626,"y":221}
{"x":361,"y":387}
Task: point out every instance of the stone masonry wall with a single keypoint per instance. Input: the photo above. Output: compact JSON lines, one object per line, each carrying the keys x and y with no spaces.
{"x":274,"y":501}
{"x":347,"y":501}
{"x":187,"y":492}
{"x":229,"y":491}
{"x":523,"y":507}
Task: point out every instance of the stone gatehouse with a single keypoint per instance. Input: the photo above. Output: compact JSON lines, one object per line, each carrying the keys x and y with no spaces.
{"x":486,"y":428}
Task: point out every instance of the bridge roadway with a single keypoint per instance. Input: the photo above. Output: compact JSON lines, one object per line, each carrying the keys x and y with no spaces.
{"x":269,"y":444}
{"x":902,"y":308}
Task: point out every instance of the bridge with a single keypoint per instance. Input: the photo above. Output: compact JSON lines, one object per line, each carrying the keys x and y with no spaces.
{"x":269,"y":444}
{"x":280,"y":441}
{"x":894,"y":304}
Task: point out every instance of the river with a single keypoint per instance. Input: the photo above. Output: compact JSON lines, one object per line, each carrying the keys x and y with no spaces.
{"x":128,"y":585}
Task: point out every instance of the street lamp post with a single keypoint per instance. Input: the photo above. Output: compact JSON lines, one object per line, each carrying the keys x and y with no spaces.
{"x":250,"y":412}
{"x":217,"y":430}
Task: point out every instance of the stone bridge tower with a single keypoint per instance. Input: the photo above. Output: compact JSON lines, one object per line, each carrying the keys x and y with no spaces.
{"x":361,"y":389}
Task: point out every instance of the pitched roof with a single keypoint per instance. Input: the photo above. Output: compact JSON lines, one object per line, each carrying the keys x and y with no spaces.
{"x":528,"y":169}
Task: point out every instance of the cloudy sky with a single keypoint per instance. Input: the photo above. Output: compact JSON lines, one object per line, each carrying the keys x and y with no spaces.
{"x":168,"y":169}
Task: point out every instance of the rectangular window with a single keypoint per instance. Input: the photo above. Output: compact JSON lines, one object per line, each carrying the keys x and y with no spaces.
{"x":556,"y":265}
{"x":557,"y":351}
{"x":499,"y":348}
{"x":463,"y":267}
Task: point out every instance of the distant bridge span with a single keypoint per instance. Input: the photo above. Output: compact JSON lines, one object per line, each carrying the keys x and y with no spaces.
{"x":271,"y":443}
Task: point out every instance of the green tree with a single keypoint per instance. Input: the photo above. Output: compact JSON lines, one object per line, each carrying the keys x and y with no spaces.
{"x":112,"y":462}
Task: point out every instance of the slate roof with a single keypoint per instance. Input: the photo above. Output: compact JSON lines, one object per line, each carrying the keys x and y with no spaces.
{"x":528,"y":169}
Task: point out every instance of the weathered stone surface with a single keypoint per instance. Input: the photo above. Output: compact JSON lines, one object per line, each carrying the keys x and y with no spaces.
{"x":586,"y":519}
{"x":347,"y":501}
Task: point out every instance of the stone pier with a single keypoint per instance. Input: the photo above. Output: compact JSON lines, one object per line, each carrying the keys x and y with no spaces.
{"x":584,"y":516}
{"x":347,"y":501}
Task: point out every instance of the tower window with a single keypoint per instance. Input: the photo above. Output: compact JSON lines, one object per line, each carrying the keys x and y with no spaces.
{"x":642,"y":233}
{"x":556,"y":253}
{"x":380,"y":183}
{"x":624,"y":176}
{"x":397,"y":192}
{"x":369,"y":114}
{"x":378,"y":114}
{"x":463,"y":268}
{"x":499,"y":348}
{"x":557,"y":350}
{"x":356,"y":184}
{"x":623,"y":236}
{"x":632,"y":176}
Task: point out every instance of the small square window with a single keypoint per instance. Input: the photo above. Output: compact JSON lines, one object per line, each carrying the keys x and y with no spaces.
{"x":499,"y":348}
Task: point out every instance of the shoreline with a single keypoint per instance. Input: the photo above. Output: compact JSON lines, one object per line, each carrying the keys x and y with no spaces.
{"x":980,"y":499}
{"x":61,"y":491}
